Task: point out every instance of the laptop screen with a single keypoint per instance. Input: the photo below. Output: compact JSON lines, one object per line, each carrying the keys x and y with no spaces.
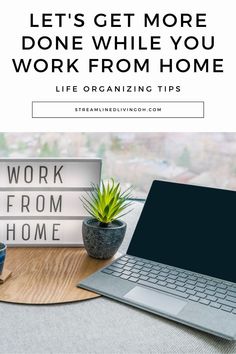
{"x":189,"y":227}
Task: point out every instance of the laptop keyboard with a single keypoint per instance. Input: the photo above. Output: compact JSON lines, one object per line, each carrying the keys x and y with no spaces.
{"x":188,"y":285}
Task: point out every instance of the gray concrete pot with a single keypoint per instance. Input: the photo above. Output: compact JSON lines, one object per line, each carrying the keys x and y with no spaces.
{"x":102,"y":242}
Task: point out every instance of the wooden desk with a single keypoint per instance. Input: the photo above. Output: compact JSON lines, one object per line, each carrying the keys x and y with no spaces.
{"x":47,"y":275}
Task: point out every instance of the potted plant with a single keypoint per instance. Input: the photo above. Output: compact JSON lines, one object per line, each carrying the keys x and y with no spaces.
{"x":103,"y":232}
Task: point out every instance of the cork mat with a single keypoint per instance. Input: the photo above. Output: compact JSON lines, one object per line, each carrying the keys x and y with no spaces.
{"x":47,"y":275}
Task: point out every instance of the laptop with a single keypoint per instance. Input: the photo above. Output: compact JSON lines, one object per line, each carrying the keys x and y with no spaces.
{"x":181,"y":261}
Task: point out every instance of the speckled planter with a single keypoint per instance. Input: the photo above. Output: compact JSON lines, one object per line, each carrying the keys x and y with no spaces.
{"x":102,"y":242}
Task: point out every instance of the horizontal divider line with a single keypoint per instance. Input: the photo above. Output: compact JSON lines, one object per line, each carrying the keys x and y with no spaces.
{"x":42,"y":217}
{"x":45,"y":189}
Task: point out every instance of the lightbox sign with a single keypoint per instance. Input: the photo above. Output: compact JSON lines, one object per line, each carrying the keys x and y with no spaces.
{"x":40,"y":200}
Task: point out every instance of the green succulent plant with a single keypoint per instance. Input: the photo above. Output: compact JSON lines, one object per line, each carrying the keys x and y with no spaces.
{"x":107,"y":202}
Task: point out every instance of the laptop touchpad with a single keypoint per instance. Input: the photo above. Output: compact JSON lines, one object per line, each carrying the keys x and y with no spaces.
{"x":155,"y":300}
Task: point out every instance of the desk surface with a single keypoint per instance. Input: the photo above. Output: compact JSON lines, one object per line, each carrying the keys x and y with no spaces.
{"x":99,"y":326}
{"x":48,"y":275}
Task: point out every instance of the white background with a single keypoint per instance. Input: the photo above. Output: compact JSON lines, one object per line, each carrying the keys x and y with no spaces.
{"x":18,"y":90}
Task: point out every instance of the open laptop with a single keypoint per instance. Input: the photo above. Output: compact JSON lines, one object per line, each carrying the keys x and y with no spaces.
{"x":181,"y":261}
